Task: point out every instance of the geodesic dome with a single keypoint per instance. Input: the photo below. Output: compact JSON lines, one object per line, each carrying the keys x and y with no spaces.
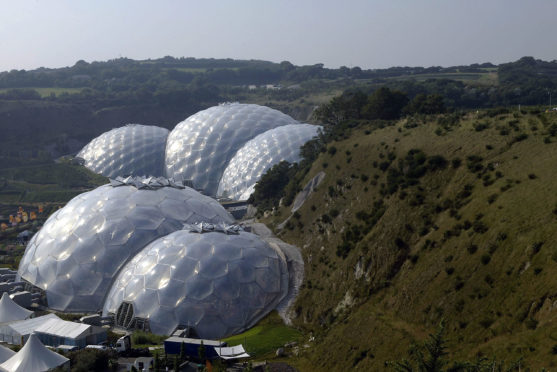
{"x":81,"y":247}
{"x":200,"y":147}
{"x":260,"y":154}
{"x":216,"y":283}
{"x":133,"y":149}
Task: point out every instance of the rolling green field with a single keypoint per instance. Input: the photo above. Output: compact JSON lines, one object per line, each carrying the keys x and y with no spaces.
{"x":47,"y":92}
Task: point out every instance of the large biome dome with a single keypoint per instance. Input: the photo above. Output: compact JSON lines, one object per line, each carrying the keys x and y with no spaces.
{"x":200,"y":147}
{"x":215,"y":283}
{"x":260,"y":154}
{"x":133,"y":149}
{"x":81,"y":247}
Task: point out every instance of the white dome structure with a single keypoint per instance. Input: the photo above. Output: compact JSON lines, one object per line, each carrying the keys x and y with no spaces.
{"x":200,"y":147}
{"x":260,"y":154}
{"x":81,"y":247}
{"x":133,"y":149}
{"x":216,"y":283}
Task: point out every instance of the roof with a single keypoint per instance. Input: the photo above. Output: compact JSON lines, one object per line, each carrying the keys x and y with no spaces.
{"x":10,"y":311}
{"x":25,"y":327}
{"x":233,"y":352}
{"x":194,"y":341}
{"x":59,"y":327}
{"x":34,"y":356}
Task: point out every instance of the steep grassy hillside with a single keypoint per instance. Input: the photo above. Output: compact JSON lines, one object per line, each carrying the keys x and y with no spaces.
{"x":426,"y":220}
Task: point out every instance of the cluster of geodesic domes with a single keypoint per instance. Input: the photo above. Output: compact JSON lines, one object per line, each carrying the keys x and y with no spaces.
{"x":156,"y":252}
{"x":223,"y":150}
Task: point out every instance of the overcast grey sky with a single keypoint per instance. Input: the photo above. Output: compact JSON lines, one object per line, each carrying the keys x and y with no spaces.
{"x":369,"y":34}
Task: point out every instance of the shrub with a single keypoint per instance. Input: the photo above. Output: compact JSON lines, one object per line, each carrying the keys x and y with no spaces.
{"x":472,"y":248}
{"x":478,"y":127}
{"x":479,"y":227}
{"x":489,"y":280}
{"x":520,"y":137}
{"x":531,"y":323}
{"x":486,"y":322}
{"x":485,"y":259}
{"x":536,"y":247}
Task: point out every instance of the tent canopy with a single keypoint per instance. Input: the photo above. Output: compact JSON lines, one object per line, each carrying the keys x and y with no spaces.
{"x":34,"y":356}
{"x":62,"y":328}
{"x":5,"y":353}
{"x":10,"y":311}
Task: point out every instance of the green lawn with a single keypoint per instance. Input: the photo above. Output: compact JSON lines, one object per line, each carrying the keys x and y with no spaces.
{"x":267,"y":336}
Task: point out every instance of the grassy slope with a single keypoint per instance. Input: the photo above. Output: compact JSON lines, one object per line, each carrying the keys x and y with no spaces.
{"x":266,"y":337}
{"x":381,"y":297}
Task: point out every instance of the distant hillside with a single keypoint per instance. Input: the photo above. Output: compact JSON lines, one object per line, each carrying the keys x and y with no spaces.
{"x":50,"y":112}
{"x":433,"y":218}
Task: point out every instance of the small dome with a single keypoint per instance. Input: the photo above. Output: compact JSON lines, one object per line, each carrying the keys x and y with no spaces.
{"x":134,"y":149}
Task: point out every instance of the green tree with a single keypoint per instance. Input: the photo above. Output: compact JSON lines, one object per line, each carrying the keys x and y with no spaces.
{"x":202,"y":353}
{"x":182,"y":352}
{"x":176,"y":363}
{"x":270,"y":188}
{"x":426,"y":104}
{"x":385,"y":104}
{"x":156,"y":361}
{"x":344,"y":107}
{"x":429,"y":357}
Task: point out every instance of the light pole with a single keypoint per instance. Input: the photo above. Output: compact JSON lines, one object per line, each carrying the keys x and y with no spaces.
{"x":549,"y":94}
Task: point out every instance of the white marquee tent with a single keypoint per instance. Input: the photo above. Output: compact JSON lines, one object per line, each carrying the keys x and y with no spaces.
{"x":34,"y":356}
{"x":10,"y":311}
{"x":5,"y":353}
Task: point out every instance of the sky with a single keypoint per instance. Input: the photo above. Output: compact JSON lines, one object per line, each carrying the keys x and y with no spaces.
{"x":368,"y":34}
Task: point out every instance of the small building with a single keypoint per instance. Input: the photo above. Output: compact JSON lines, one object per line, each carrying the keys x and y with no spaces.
{"x":57,"y":332}
{"x":172,"y":345}
{"x":17,"y":332}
